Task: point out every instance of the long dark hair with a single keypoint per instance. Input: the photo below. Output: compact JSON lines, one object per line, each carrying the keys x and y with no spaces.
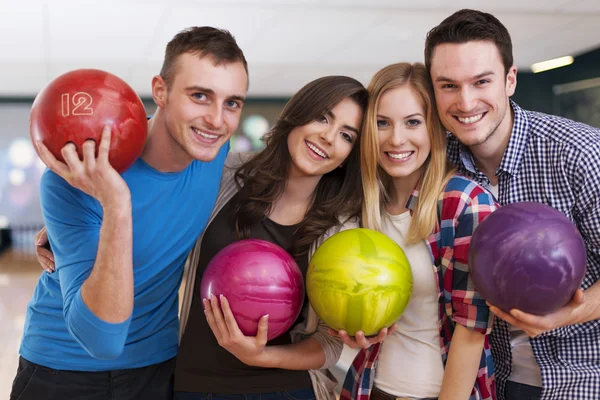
{"x":262,"y":179}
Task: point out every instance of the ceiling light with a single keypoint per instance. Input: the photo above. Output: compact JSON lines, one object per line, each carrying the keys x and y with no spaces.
{"x":551,"y":64}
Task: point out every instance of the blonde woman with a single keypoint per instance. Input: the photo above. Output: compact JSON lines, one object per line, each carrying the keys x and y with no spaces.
{"x":439,"y":347}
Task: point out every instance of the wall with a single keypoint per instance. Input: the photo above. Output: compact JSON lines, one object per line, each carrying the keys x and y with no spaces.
{"x":534,"y":91}
{"x":21,"y":169}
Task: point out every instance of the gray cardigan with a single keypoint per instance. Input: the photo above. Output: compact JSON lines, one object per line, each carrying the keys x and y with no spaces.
{"x":323,"y":381}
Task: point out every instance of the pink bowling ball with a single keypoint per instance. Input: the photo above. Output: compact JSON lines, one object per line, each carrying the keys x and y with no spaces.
{"x":257,"y":277}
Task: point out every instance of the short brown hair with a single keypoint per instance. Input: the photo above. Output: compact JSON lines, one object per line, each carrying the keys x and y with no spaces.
{"x":470,"y":25}
{"x":203,"y":41}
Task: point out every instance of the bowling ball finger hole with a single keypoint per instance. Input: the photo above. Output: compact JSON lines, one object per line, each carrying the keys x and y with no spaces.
{"x":92,"y":140}
{"x":74,"y":144}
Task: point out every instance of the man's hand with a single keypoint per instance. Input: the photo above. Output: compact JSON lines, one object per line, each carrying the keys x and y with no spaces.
{"x":94,"y":176}
{"x":535,"y":325}
{"x":44,"y":256}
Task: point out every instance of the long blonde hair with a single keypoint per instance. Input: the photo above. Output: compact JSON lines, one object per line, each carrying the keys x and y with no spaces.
{"x":377,"y":183}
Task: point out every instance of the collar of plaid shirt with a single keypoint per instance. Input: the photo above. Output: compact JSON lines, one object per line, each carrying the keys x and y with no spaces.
{"x":511,"y":161}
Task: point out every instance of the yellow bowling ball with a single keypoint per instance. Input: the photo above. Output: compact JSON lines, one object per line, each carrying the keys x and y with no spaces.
{"x":359,"y":280}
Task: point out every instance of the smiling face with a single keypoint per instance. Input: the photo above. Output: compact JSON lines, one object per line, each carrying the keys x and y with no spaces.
{"x":404,"y":142}
{"x":472,"y":90}
{"x":203,"y":104}
{"x":324,"y":144}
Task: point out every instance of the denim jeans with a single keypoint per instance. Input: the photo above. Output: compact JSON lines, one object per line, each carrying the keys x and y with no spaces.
{"x":521,"y":391}
{"x":35,"y":382}
{"x":299,"y":394}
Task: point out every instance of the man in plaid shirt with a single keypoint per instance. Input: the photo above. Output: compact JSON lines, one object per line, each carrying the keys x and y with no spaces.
{"x":523,"y":156}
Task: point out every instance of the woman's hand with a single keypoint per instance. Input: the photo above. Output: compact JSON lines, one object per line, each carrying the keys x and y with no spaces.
{"x":250,"y":350}
{"x":360,"y":341}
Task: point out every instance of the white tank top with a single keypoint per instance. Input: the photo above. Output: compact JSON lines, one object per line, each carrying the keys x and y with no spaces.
{"x":410,"y":362}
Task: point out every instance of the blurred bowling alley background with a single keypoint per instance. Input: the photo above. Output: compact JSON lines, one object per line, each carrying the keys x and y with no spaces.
{"x":287,"y":43}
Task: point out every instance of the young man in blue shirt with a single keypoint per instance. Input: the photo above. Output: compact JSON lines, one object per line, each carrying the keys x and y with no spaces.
{"x":521,"y":155}
{"x":105,"y":324}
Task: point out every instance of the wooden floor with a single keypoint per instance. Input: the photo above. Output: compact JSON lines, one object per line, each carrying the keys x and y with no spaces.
{"x":19,"y":273}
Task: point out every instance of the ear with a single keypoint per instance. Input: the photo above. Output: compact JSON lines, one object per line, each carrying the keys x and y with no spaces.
{"x":160,"y":91}
{"x":511,"y":81}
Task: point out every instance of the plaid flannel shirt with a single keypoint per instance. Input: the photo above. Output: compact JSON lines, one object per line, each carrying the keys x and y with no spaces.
{"x":555,"y":161}
{"x":462,"y":206}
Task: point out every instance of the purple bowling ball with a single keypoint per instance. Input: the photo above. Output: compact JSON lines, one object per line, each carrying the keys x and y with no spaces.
{"x":257,"y":277}
{"x":527,"y":256}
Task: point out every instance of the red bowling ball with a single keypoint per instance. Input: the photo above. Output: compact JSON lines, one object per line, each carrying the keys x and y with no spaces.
{"x":257,"y":278}
{"x":75,"y":107}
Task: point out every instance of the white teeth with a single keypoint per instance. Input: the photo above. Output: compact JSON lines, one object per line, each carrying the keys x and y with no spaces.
{"x":400,"y":156}
{"x":316,"y":150}
{"x":470,"y":120}
{"x":205,"y":135}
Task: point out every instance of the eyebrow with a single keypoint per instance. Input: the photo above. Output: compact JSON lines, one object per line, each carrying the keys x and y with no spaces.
{"x":350,"y":128}
{"x":408,"y":116}
{"x":479,"y":76}
{"x":196,"y":88}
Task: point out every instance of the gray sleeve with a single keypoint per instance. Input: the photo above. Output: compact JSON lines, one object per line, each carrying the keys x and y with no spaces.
{"x":332,"y":346}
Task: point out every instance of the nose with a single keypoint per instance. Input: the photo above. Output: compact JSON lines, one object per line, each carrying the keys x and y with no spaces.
{"x":398,"y":137}
{"x":214,"y":116}
{"x":466,"y":100}
{"x":328,"y":135}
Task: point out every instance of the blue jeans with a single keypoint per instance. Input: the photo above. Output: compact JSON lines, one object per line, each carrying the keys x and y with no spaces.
{"x":520,"y":391}
{"x":299,"y":394}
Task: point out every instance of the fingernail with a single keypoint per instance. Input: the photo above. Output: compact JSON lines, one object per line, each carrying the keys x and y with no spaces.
{"x":38,"y":242}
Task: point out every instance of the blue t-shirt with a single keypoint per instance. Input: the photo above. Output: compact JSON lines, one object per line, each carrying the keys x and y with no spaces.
{"x":170,"y":211}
